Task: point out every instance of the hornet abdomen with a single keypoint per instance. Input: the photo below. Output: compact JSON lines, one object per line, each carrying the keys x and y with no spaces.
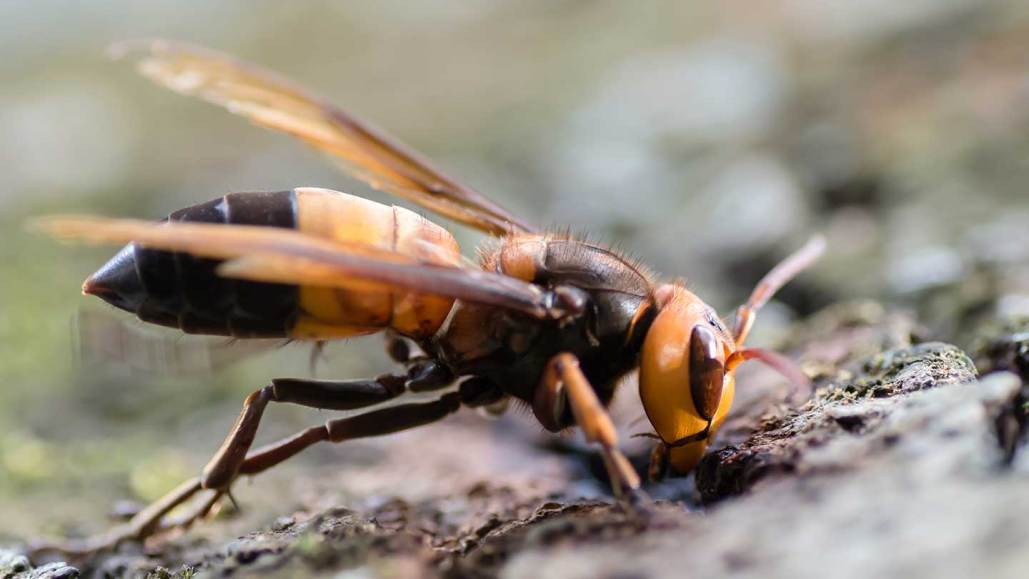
{"x":184,"y":292}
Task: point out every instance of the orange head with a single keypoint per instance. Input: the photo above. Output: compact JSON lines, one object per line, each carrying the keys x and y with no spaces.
{"x":685,"y":382}
{"x":688,"y":358}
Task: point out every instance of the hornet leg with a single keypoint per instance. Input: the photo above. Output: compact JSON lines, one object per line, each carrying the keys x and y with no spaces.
{"x":563,"y":380}
{"x":326,"y":395}
{"x":397,"y":347}
{"x":423,"y":372}
{"x":231,"y":459}
{"x":375,"y":423}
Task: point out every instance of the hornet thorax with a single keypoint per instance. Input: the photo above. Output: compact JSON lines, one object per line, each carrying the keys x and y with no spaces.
{"x":511,"y":349}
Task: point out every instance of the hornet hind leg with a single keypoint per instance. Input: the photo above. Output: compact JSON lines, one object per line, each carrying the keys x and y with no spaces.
{"x":234,"y":458}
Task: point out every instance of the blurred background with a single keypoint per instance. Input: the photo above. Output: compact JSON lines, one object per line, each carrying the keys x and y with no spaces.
{"x":708,"y":139}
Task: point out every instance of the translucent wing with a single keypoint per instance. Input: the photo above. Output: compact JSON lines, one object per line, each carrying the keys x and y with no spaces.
{"x":129,"y":346}
{"x":275,"y":103}
{"x":272,"y":254}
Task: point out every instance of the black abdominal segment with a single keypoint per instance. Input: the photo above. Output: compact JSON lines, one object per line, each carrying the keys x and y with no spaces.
{"x":182,"y":291}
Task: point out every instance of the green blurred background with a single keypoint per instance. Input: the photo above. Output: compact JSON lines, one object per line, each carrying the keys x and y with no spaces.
{"x":705,"y":138}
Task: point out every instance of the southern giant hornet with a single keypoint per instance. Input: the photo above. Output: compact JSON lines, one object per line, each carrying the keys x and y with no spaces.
{"x":546,"y":318}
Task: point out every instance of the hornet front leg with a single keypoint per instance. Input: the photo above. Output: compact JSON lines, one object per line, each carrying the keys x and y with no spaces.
{"x":564,"y":384}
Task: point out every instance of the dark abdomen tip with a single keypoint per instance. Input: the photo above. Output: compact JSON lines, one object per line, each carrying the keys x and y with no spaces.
{"x":117,"y":282}
{"x":182,"y":291}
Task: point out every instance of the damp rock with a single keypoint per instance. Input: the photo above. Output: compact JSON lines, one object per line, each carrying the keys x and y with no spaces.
{"x":1004,"y":345}
{"x":920,"y":489}
{"x":797,"y":441}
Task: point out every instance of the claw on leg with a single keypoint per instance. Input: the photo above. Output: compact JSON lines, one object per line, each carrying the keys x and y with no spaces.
{"x":145,"y":523}
{"x":235,"y":457}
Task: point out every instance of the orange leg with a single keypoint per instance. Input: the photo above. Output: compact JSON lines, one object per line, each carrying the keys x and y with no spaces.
{"x":659,"y":457}
{"x":781,"y":274}
{"x":563,"y":380}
